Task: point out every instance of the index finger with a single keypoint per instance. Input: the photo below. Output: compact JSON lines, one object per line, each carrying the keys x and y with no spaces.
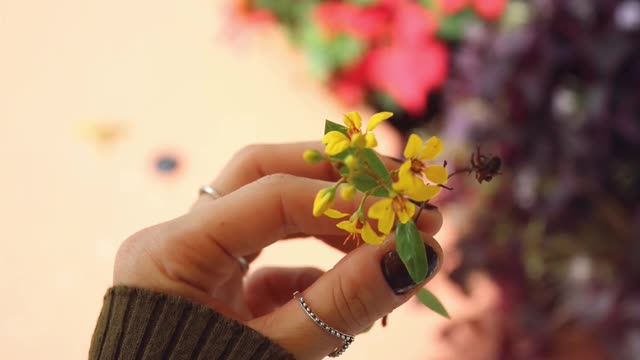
{"x":259,"y":160}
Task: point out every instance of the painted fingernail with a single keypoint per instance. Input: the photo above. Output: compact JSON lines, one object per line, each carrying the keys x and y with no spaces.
{"x":396,"y":274}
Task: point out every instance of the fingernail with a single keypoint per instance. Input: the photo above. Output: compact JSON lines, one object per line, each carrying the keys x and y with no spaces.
{"x":397,"y":275}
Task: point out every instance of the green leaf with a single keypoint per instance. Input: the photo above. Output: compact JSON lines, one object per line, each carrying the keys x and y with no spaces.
{"x":362,"y":2}
{"x":411,"y":250}
{"x":429,"y":4}
{"x":364,"y":183}
{"x":384,"y":101}
{"x":290,"y":13}
{"x":374,"y":162}
{"x":453,"y":27}
{"x":331,"y":126}
{"x":346,"y":49}
{"x":431,"y":301}
{"x":328,"y":52}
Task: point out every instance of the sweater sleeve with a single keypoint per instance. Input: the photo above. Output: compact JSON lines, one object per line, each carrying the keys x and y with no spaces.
{"x":142,"y":324}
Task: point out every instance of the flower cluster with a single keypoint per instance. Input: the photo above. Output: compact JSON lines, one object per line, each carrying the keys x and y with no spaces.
{"x":348,"y":148}
{"x":390,"y":53}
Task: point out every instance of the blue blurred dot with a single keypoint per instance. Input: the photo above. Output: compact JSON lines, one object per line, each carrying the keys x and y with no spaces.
{"x":166,"y":164}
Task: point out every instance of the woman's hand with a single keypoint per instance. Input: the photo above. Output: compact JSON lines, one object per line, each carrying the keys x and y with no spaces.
{"x":267,"y":195}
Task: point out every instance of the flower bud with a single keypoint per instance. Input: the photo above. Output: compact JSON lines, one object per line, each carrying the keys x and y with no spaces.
{"x":323,"y":201}
{"x":348,"y":191}
{"x":351,"y":162}
{"x":358,"y":140}
{"x":312,"y":156}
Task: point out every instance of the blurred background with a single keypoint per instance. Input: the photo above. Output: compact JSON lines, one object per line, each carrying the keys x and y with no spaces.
{"x":112,"y":114}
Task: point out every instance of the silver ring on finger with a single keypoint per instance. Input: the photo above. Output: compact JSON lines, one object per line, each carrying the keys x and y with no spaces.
{"x":346,"y":338}
{"x":244,"y":264}
{"x":209,"y":190}
{"x":212,"y":192}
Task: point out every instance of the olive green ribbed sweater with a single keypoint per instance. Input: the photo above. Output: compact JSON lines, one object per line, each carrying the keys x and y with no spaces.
{"x":141,"y":324}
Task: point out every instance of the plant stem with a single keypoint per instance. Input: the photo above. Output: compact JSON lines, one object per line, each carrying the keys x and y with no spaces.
{"x":460,"y":171}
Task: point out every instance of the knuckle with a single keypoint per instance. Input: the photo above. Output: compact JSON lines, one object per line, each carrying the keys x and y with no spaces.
{"x":249,"y":153}
{"x":351,"y":308}
{"x":276,"y":180}
{"x":133,"y":251}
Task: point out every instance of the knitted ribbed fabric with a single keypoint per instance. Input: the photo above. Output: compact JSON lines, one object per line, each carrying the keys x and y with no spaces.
{"x":141,"y":324}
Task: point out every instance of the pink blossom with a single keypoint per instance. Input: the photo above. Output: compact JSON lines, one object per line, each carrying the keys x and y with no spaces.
{"x":489,"y":9}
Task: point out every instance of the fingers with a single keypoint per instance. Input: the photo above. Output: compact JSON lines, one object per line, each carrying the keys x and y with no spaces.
{"x":256,"y":161}
{"x":271,"y":287}
{"x":365,"y":285}
{"x":271,"y":209}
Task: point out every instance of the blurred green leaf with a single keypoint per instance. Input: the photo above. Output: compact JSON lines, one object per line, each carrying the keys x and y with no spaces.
{"x":429,"y":4}
{"x":453,"y":27}
{"x":362,"y":2}
{"x":290,"y":12}
{"x":431,"y":301}
{"x":411,"y":249}
{"x":328,"y":53}
{"x":384,"y":101}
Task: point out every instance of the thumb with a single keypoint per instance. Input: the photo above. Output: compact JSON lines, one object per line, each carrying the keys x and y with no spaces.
{"x":269,"y":288}
{"x":368,"y":283}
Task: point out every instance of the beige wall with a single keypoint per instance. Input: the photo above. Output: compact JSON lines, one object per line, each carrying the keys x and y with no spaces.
{"x":165,"y":71}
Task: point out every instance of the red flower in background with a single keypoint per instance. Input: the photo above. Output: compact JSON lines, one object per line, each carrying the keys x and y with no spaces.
{"x":408,"y":73}
{"x":489,"y":9}
{"x":450,"y":7}
{"x":403,"y":56}
{"x":408,"y":69}
{"x":350,"y":85}
{"x":365,"y":23}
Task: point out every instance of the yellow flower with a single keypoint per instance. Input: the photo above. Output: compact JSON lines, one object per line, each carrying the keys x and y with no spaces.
{"x":357,"y":230}
{"x":337,"y":142}
{"x":324,"y":201}
{"x":410,"y":181}
{"x":386,"y":211}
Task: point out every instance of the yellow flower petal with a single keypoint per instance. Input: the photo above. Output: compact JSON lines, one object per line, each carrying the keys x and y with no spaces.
{"x":413,"y":147}
{"x":369,"y":235}
{"x":348,"y":191}
{"x":358,"y":140}
{"x":349,"y":226}
{"x":336,"y":142}
{"x":432,"y":148}
{"x":423,"y":192}
{"x":323,"y":201}
{"x":376,"y":119}
{"x":370,"y":140}
{"x":335,"y":214}
{"x":436,"y":174}
{"x":406,"y":210}
{"x":383,"y":212}
{"x":352,"y":120}
{"x":407,"y":181}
